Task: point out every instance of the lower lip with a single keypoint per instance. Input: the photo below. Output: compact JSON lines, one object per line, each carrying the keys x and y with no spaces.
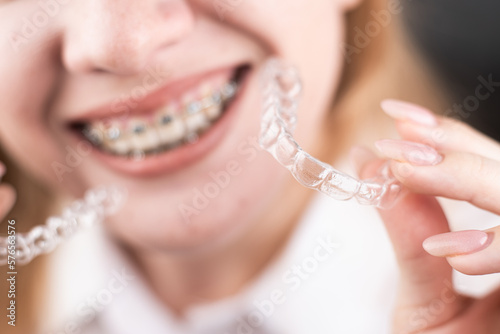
{"x":170,"y":161}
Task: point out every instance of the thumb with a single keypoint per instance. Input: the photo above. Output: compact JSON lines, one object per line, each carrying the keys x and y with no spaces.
{"x":470,"y":252}
{"x":426,"y":296}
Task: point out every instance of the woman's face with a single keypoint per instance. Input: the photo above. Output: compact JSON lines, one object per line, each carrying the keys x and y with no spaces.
{"x":168,"y":92}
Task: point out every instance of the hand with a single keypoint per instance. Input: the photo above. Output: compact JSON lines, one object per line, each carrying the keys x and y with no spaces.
{"x":439,"y":157}
{"x":7,"y":195}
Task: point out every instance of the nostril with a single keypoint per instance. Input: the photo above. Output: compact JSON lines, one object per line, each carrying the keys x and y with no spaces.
{"x":123,"y":53}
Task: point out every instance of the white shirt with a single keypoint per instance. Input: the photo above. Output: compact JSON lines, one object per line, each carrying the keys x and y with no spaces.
{"x":345,"y":281}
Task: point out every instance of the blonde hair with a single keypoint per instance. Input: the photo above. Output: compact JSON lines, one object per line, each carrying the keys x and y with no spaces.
{"x":31,"y":208}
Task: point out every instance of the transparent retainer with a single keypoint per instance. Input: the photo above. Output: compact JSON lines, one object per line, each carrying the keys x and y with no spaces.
{"x":282,"y":88}
{"x":92,"y":210}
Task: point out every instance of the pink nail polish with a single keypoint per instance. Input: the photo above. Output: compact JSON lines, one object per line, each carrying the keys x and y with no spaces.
{"x":457,"y":243}
{"x":406,"y":151}
{"x":405,"y":111}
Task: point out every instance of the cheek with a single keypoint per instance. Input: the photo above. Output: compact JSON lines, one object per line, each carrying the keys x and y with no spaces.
{"x":295,"y":29}
{"x":29,"y":74}
{"x":198,"y":206}
{"x":25,"y":131}
{"x":308,"y":35}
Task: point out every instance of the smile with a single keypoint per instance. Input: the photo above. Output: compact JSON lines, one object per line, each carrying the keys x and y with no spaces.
{"x":167,"y":129}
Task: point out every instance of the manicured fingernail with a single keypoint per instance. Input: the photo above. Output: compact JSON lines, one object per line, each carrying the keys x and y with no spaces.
{"x":457,"y":243}
{"x":405,"y":111}
{"x":406,"y":151}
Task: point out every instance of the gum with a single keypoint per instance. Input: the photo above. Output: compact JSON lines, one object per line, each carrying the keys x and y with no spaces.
{"x":281,"y":94}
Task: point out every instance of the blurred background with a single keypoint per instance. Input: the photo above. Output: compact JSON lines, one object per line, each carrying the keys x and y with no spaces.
{"x":460,"y":39}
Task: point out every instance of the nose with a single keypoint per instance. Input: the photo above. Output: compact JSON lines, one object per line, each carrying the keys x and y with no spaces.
{"x":122,"y":36}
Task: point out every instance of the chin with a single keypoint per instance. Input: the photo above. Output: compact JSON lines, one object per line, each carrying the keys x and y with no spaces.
{"x":156,"y":222}
{"x":202,"y":191}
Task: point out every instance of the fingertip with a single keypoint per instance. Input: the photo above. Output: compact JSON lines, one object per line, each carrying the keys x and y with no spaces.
{"x":405,"y":111}
{"x":457,"y":243}
{"x":415,"y":153}
{"x":459,"y":176}
{"x":482,"y":260}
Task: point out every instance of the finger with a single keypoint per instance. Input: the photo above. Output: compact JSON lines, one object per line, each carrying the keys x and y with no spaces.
{"x":470,"y":252}
{"x":461,"y":176}
{"x":492,"y":301}
{"x":425,"y":279}
{"x":415,"y":123}
{"x":451,"y":135}
{"x":409,"y":222}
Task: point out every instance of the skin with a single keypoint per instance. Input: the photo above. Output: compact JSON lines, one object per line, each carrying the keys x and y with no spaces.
{"x":425,"y":285}
{"x":76,"y":63}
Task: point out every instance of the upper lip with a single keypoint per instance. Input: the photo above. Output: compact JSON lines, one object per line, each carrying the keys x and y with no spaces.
{"x":130,"y":105}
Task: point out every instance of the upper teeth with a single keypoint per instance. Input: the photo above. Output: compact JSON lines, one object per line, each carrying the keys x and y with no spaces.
{"x":113,"y":133}
{"x":167,"y":127}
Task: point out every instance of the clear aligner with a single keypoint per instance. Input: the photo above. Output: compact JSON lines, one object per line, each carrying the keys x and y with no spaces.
{"x":97,"y":204}
{"x":282,"y":89}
